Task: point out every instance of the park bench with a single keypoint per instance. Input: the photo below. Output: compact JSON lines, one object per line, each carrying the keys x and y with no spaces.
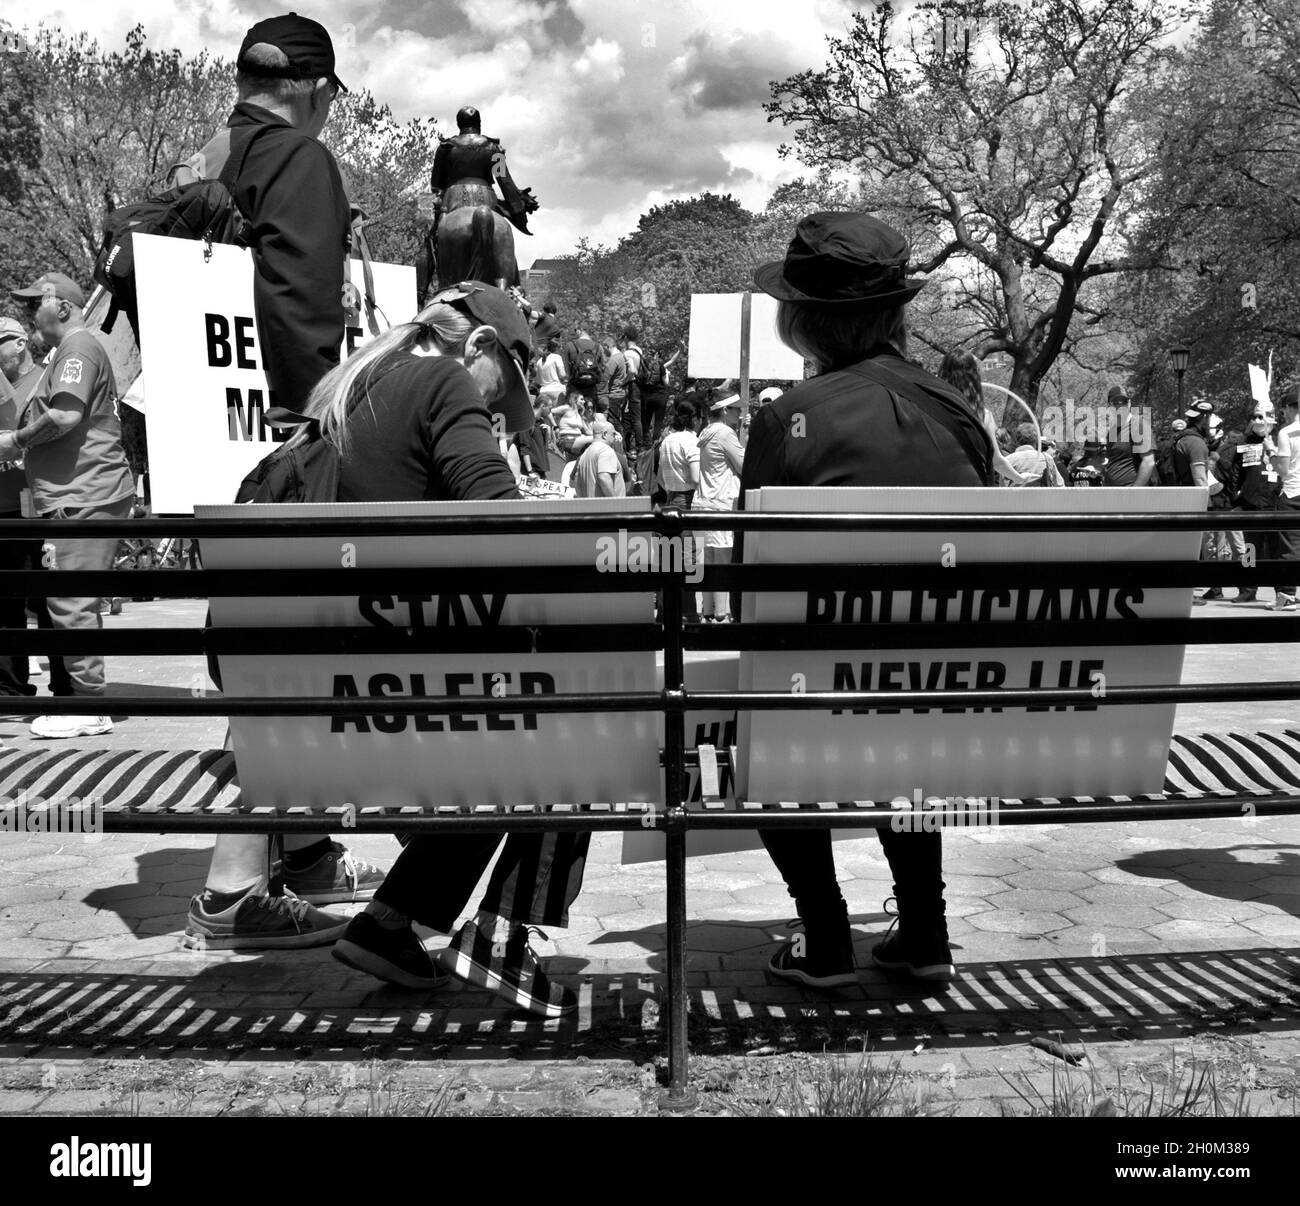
{"x":1221,"y":774}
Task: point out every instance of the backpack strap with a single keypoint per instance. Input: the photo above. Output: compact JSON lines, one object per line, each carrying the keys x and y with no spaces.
{"x":980,"y":458}
{"x":367,"y":271}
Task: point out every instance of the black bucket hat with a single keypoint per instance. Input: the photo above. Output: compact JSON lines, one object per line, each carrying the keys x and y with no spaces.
{"x":842,"y":257}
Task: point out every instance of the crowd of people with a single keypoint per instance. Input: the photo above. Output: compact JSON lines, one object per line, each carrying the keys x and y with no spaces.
{"x":419,"y":414}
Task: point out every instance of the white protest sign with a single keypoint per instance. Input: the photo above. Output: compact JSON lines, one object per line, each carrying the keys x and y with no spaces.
{"x":203,"y":368}
{"x":1259,"y":383}
{"x":715,"y":339}
{"x":465,"y":758}
{"x":1080,"y":750}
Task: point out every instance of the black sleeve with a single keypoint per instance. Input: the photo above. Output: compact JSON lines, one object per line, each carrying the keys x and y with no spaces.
{"x":764,"y":463}
{"x":293,"y":195}
{"x":464,"y":459}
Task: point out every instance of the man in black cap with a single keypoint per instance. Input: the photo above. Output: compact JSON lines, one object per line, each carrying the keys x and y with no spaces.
{"x":869,"y":418}
{"x":1131,"y":452}
{"x":288,"y":188}
{"x":1191,"y":458}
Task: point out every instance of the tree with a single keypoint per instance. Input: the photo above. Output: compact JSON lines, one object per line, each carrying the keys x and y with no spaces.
{"x":1012,"y":141}
{"x":1228,"y":206}
{"x":83,"y":131}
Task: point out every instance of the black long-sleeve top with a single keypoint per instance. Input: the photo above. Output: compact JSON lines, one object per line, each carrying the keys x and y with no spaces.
{"x":292,"y":195}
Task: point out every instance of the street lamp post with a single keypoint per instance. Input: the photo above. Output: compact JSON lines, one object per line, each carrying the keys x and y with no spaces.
{"x":1178,"y":357}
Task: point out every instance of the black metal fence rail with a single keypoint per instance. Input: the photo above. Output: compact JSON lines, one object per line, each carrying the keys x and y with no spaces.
{"x":674,"y":637}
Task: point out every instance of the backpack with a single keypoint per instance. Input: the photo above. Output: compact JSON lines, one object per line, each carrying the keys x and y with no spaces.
{"x":586,"y":364}
{"x":305,"y":473}
{"x":200,"y":209}
{"x":1166,"y":466}
{"x":651,"y":371}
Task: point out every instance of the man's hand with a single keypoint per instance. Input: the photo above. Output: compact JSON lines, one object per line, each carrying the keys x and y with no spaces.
{"x":9,"y":450}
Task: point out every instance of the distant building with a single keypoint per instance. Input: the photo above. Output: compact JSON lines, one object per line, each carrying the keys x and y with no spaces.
{"x":536,"y":280}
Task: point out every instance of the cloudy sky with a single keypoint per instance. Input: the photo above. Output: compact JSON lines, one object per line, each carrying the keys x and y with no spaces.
{"x":605,"y":107}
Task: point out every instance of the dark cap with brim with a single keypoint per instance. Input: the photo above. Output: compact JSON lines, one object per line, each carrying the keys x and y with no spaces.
{"x":847,"y":258}
{"x":306,"y":44}
{"x":490,"y":306}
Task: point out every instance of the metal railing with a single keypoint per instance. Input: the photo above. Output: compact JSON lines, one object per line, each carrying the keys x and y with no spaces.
{"x":671,"y":635}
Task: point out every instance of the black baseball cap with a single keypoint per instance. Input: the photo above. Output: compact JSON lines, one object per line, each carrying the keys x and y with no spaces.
{"x":306,"y":44}
{"x":495,"y":308}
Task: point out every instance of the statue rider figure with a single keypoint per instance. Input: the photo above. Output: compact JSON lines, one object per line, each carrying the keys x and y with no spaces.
{"x":465,"y":167}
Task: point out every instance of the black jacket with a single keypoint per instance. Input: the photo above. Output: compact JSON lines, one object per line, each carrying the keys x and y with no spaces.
{"x":292,"y":195}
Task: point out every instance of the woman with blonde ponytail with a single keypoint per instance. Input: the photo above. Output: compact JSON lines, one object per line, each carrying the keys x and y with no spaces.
{"x":419,"y":414}
{"x":420,"y":411}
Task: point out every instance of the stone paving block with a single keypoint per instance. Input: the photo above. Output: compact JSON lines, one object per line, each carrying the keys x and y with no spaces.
{"x":1208,"y":888}
{"x":1175,"y":932}
{"x":1101,"y":941}
{"x":81,"y":929}
{"x":1279,"y":927}
{"x":974,"y":885}
{"x":1119,"y":914}
{"x":140,"y":907}
{"x":1013,"y":921}
{"x":1185,"y":909}
{"x":1032,"y":900}
{"x":1280,"y":885}
{"x":1140,"y":894}
{"x":1052,"y":881}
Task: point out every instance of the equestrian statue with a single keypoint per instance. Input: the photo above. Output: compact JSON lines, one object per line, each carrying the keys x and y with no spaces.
{"x":471,"y":237}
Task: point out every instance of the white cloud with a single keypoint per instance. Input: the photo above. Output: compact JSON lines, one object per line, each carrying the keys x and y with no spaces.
{"x":607,"y":108}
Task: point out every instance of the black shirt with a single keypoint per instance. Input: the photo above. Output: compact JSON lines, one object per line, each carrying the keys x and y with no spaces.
{"x":1190,"y":450}
{"x":857,"y":432}
{"x":420,"y":431}
{"x":292,"y":195}
{"x":1248,"y":469}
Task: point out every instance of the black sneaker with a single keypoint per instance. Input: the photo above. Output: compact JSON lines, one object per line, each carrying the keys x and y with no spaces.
{"x":1215,"y":592}
{"x":394,"y":956}
{"x":791,"y":963}
{"x":1246,"y":596}
{"x":926,"y":955}
{"x":509,"y":969}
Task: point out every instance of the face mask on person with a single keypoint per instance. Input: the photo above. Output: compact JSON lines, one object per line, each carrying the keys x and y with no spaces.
{"x":1214,"y":436}
{"x":1261,"y":425}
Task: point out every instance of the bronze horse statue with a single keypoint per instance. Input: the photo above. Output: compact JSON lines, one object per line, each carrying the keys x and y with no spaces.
{"x":472,"y":237}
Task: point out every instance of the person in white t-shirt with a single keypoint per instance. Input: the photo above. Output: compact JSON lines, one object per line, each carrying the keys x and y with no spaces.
{"x":1287,"y":464}
{"x":552,"y":376}
{"x":679,"y":475}
{"x":721,"y":457}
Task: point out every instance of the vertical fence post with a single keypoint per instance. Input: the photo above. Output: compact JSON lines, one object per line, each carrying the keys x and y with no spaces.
{"x":679,"y":1095}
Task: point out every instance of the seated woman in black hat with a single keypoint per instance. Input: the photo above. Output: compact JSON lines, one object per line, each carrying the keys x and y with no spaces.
{"x":870,"y":417}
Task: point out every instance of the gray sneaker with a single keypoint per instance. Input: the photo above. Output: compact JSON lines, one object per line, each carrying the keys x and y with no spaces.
{"x":260,"y":921}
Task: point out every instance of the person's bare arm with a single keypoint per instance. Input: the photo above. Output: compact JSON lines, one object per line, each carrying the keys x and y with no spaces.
{"x":63,"y":415}
{"x":1146,"y":469}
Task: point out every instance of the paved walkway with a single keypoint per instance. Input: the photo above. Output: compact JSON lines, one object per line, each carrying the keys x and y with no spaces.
{"x":1108,"y":933}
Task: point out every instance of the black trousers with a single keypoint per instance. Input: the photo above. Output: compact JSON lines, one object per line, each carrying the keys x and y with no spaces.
{"x":1288,"y":543}
{"x":14,"y":668}
{"x":536,"y":879}
{"x":806,"y":863}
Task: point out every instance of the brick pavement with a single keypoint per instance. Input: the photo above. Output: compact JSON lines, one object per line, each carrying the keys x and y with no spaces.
{"x":1142,"y":930}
